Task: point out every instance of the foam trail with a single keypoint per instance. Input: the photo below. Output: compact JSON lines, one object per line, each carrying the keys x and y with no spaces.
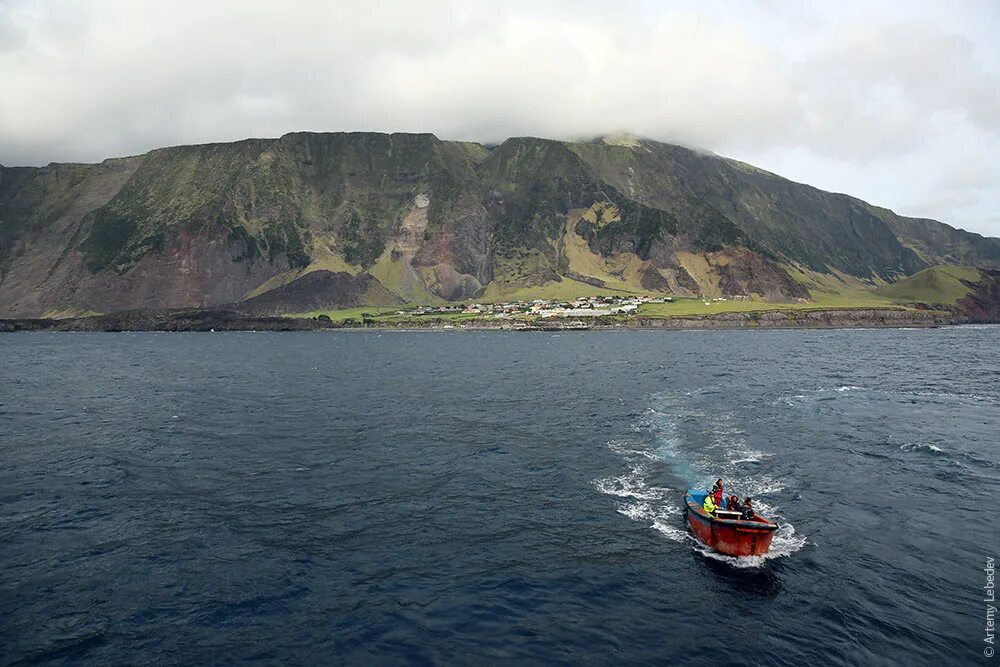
{"x":658,"y":446}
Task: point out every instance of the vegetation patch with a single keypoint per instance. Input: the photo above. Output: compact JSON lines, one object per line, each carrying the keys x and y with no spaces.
{"x":632,"y":224}
{"x":938,"y":284}
{"x":108,"y":238}
{"x":698,"y":268}
{"x":685,"y":307}
{"x":620,"y":271}
{"x":564,"y":289}
{"x":358,"y":314}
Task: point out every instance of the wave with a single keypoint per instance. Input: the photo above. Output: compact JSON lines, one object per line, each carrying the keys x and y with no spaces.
{"x":920,"y":446}
{"x":817,"y":394}
{"x":953,"y":396}
{"x":631,"y":485}
{"x":828,"y":393}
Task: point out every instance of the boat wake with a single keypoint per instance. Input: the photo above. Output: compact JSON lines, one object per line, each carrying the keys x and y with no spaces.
{"x":673,"y":439}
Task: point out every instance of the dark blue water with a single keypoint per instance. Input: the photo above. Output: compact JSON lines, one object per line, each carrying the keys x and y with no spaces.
{"x":494,"y":498}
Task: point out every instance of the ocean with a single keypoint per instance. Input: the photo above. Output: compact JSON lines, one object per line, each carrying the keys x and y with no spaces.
{"x":466,"y":498}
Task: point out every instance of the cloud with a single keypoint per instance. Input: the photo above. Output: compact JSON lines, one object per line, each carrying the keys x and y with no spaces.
{"x":847,"y":97}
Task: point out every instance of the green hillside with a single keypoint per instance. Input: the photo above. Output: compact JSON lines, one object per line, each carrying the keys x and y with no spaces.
{"x":938,"y":285}
{"x":421,"y":220}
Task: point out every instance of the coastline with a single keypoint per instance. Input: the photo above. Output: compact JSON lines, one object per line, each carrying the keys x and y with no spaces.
{"x":226,"y":320}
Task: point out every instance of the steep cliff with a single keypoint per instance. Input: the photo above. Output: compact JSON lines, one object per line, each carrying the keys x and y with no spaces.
{"x":411,"y":218}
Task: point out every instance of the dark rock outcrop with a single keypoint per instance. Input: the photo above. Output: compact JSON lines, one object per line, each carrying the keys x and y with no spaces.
{"x":816,"y":319}
{"x":316,"y":291}
{"x":982,"y":304}
{"x":746,"y":272}
{"x":167,"y":320}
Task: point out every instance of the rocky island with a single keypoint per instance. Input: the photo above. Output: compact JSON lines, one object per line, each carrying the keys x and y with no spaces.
{"x":329,"y":230}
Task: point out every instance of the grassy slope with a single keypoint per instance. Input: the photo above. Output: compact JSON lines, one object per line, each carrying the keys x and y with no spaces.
{"x":938,"y":284}
{"x":688,"y":307}
{"x":792,"y":222}
{"x":564,"y":289}
{"x":401,"y":279}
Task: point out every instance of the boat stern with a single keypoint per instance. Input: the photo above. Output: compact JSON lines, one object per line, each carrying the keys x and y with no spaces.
{"x":732,"y":537}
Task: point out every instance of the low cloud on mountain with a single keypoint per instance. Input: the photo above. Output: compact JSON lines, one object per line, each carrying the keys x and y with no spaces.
{"x":898,"y":105}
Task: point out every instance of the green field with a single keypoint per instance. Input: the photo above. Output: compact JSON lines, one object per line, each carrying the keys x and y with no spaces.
{"x":692,"y":307}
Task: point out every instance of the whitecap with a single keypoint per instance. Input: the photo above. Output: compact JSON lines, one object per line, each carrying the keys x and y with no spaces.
{"x":918,"y":446}
{"x":954,"y":396}
{"x":636,"y":511}
{"x":672,"y":531}
{"x":629,"y":450}
{"x":630,"y":485}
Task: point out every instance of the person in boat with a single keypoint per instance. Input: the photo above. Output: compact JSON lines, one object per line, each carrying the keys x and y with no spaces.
{"x":746,"y":514}
{"x":733,"y":504}
{"x":709,"y":505}
{"x":717,"y":492}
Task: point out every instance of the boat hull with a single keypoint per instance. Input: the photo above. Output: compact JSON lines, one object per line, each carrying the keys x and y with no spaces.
{"x":728,"y":536}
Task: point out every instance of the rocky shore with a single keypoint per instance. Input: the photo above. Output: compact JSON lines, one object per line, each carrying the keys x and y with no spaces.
{"x":833,"y":318}
{"x":226,"y":320}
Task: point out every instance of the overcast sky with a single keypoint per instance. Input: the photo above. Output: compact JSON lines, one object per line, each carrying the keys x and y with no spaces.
{"x":895,"y":102}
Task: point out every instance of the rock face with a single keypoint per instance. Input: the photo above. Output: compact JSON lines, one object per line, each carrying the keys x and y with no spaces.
{"x":818,"y":319}
{"x":982,"y":304}
{"x":382,"y":218}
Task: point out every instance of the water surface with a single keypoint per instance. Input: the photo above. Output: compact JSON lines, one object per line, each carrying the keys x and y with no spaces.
{"x":494,"y":498}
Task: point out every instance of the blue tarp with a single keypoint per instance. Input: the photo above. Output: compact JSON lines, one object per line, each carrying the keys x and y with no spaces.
{"x":697,"y":496}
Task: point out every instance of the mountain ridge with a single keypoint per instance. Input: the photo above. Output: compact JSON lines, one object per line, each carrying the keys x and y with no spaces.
{"x":430,"y":220}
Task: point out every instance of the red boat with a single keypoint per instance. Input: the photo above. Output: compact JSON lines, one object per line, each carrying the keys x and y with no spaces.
{"x":726,"y":532}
